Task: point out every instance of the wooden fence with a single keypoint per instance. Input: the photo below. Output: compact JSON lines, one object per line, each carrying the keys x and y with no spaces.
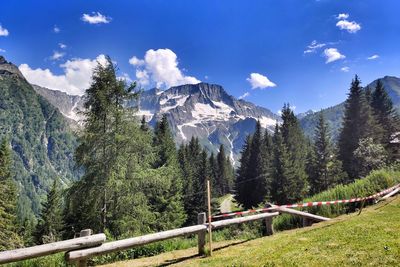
{"x":80,"y":250}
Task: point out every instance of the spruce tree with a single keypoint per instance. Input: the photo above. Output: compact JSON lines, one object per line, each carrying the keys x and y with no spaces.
{"x":9,"y":238}
{"x":324,"y":170}
{"x":294,"y":141}
{"x":251,"y":181}
{"x":267,"y":157}
{"x":358,"y":123}
{"x":51,"y":223}
{"x":223,"y":182}
{"x":282,"y":171}
{"x":242,"y":190}
{"x":164,"y":143}
{"x":385,"y":114}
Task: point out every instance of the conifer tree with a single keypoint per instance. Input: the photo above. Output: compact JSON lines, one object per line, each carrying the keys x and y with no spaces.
{"x":267,"y":157}
{"x":251,"y":180}
{"x":281,"y":191}
{"x":164,"y":142}
{"x":294,"y":142}
{"x":224,"y":177}
{"x":51,"y":223}
{"x":358,"y":123}
{"x":385,"y":114}
{"x":9,"y":238}
{"x":324,"y":169}
{"x":241,"y":188}
{"x":128,"y":187}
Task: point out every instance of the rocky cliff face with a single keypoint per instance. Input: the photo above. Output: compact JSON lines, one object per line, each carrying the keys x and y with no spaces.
{"x":208,"y":112}
{"x":68,"y":105}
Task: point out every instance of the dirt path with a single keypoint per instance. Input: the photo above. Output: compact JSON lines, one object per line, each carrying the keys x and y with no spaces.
{"x":226,"y":204}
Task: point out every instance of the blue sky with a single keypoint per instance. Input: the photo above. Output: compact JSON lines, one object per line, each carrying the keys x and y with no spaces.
{"x":253,"y":47}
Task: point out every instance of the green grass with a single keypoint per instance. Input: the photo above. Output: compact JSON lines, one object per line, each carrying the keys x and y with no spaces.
{"x":369,"y":239}
{"x":373,"y":183}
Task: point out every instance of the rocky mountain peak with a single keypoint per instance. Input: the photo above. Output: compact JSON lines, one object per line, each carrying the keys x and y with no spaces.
{"x":9,"y":69}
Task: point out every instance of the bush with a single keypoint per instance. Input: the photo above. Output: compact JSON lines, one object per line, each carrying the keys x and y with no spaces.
{"x":375,"y":182}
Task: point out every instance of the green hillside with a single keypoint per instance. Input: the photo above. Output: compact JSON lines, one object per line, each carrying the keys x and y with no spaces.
{"x":40,"y":138}
{"x":369,"y":239}
{"x":335,"y":113}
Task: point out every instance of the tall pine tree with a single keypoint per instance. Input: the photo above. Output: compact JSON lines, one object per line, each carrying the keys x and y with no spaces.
{"x":9,"y":238}
{"x":324,"y":169}
{"x":358,"y":123}
{"x":385,"y":114}
{"x":51,"y":222}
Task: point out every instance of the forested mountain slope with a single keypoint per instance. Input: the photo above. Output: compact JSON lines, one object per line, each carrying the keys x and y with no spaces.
{"x":40,"y":137}
{"x":335,"y":113}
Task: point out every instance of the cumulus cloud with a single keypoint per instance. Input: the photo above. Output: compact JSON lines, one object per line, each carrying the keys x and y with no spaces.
{"x":95,"y":18}
{"x":332,"y":54}
{"x":2,"y":50}
{"x":75,"y":79}
{"x":57,"y":55}
{"x":344,"y":24}
{"x":314,"y":46}
{"x":3,"y":31}
{"x":62,"y":46}
{"x":342,"y":16}
{"x":56,"y":29}
{"x":161,"y":68}
{"x":258,"y":80}
{"x":136,"y":62}
{"x":244,"y":95}
{"x":345,"y":69}
{"x":373,"y":57}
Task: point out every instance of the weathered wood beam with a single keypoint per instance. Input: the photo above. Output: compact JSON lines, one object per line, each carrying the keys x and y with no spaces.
{"x":227,"y":222}
{"x":301,"y":213}
{"x":51,"y":248}
{"x":132,"y":242}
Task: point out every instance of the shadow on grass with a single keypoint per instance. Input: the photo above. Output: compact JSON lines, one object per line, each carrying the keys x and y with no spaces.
{"x":174,"y":261}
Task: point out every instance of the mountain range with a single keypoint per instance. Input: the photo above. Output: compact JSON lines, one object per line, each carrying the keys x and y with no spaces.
{"x":40,"y":123}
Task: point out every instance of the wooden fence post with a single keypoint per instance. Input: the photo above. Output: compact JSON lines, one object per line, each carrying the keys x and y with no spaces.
{"x":85,"y":232}
{"x":201,"y":237}
{"x":268,"y":226}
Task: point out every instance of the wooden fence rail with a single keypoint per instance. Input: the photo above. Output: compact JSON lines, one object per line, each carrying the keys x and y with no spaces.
{"x":83,"y":254}
{"x":51,"y":248}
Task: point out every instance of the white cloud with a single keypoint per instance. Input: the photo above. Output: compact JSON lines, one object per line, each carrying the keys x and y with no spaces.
{"x":2,"y":50}
{"x":343,"y":16}
{"x":160,"y":67}
{"x":56,"y":29}
{"x":62,"y":46}
{"x":57,"y":55}
{"x":244,"y":95}
{"x":345,"y":69}
{"x":125,"y":77}
{"x":3,"y":31}
{"x":373,"y":57}
{"x":332,"y":54}
{"x":350,"y":26}
{"x":259,"y":81}
{"x":314,"y":46}
{"x":95,"y":18}
{"x":75,"y":79}
{"x":136,"y":62}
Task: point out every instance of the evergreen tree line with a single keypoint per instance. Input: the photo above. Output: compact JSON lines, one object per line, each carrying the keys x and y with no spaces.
{"x":286,"y":167}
